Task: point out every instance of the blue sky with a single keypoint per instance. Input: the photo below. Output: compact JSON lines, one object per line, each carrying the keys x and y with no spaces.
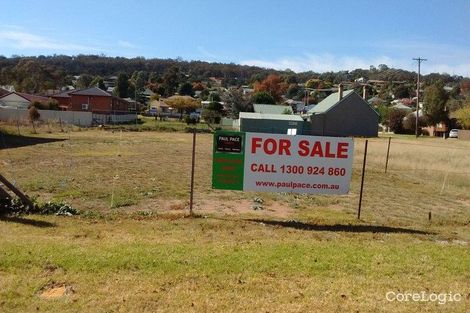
{"x":296,"y":34}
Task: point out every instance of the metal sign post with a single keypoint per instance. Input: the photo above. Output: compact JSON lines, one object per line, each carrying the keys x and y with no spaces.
{"x":388,"y":153}
{"x":362,"y":180}
{"x":191,"y":195}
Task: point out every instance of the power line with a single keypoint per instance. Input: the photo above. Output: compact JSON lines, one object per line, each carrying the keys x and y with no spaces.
{"x":419,"y":59}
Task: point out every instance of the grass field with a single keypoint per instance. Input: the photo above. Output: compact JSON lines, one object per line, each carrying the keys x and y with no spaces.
{"x":133,"y":249}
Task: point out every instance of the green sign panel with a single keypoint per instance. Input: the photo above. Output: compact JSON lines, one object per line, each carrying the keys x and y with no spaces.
{"x":228,"y":160}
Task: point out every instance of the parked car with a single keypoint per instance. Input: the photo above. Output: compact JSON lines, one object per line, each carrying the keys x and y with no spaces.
{"x":454,"y":133}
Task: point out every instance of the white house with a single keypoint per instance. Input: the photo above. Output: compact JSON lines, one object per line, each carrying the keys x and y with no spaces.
{"x":19,"y":100}
{"x":14,"y":100}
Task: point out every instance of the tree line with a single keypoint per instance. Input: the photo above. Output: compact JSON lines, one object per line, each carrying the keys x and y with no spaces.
{"x":39,"y":73}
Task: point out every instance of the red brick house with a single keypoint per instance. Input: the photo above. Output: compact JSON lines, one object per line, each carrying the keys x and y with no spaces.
{"x":93,"y":100}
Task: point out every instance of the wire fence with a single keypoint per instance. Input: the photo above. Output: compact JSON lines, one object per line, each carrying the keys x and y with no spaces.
{"x":116,"y":169}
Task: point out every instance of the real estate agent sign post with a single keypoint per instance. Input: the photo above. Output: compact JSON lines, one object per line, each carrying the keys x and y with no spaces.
{"x":282,"y":163}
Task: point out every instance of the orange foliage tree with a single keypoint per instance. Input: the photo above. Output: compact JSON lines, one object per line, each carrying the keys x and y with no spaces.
{"x":274,"y":85}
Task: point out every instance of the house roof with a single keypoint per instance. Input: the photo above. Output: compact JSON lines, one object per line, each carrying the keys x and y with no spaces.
{"x":91,"y":91}
{"x":33,"y":97}
{"x":374,"y":99}
{"x":401,"y":106}
{"x":3,"y":92}
{"x":330,"y":102}
{"x":27,"y":97}
{"x":267,"y":116}
{"x":63,"y":94}
{"x":158,"y":103}
{"x":271,"y":108}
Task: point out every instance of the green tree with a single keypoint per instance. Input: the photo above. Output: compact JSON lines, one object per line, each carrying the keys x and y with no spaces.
{"x":435,"y":98}
{"x":409,"y":123}
{"x":294,"y":92}
{"x":186,"y":89}
{"x":122,"y":86}
{"x":84,"y":81}
{"x":98,"y":82}
{"x":384,"y":114}
{"x":262,"y":97}
{"x":401,"y":91}
{"x":213,"y":113}
{"x":171,"y":80}
{"x":236,"y":102}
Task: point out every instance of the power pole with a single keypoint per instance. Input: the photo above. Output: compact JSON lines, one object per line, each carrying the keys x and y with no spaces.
{"x":417,"y":94}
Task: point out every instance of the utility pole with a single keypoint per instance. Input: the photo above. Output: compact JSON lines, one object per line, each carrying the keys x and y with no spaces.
{"x":417,"y":94}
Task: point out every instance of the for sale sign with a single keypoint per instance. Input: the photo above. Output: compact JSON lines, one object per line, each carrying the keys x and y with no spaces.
{"x":282,"y":163}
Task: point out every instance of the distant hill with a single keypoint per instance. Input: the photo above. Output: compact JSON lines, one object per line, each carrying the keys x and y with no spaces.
{"x":39,"y":73}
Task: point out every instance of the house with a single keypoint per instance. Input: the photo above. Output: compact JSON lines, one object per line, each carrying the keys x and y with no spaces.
{"x":19,"y":100}
{"x":272,"y":109}
{"x":401,"y":106}
{"x":247,"y":90}
{"x":271,"y":123}
{"x":344,"y":114}
{"x":296,"y":105}
{"x":160,"y":108}
{"x":3,"y":92}
{"x":147,"y":94}
{"x":93,"y":100}
{"x":63,"y":99}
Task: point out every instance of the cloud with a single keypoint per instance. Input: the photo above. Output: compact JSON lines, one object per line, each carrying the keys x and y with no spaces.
{"x":320,"y":62}
{"x":18,"y":39}
{"x":210,"y":55}
{"x":126,"y":44}
{"x":329,"y":62}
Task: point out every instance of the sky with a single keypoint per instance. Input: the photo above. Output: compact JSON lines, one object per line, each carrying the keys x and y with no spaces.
{"x":300,"y":35}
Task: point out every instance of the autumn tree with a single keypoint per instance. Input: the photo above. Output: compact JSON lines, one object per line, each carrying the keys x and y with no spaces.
{"x":395,"y":118}
{"x":273,"y":85}
{"x":198,"y":86}
{"x":463,"y":116}
{"x":182,"y":103}
{"x":34,"y":115}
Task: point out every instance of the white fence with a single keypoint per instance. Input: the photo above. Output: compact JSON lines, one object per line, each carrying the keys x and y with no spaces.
{"x":83,"y":119}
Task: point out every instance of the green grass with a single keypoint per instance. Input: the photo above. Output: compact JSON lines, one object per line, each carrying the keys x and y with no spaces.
{"x":153,"y":263}
{"x":302,"y":253}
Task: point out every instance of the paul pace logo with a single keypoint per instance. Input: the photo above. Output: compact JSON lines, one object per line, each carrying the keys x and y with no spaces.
{"x":424,"y":296}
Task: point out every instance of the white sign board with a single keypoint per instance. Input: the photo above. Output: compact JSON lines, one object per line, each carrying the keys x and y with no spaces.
{"x":301,"y":164}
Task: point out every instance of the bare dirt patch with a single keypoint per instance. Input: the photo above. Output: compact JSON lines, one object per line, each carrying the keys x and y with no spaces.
{"x":55,"y":291}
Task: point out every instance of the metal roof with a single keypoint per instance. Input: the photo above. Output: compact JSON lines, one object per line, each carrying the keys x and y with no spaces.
{"x":329,"y":102}
{"x":271,"y":108}
{"x":401,"y":106}
{"x":267,"y":116}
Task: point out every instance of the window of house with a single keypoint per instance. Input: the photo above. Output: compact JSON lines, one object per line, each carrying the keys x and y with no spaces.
{"x":292,"y":131}
{"x":84,"y":106}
